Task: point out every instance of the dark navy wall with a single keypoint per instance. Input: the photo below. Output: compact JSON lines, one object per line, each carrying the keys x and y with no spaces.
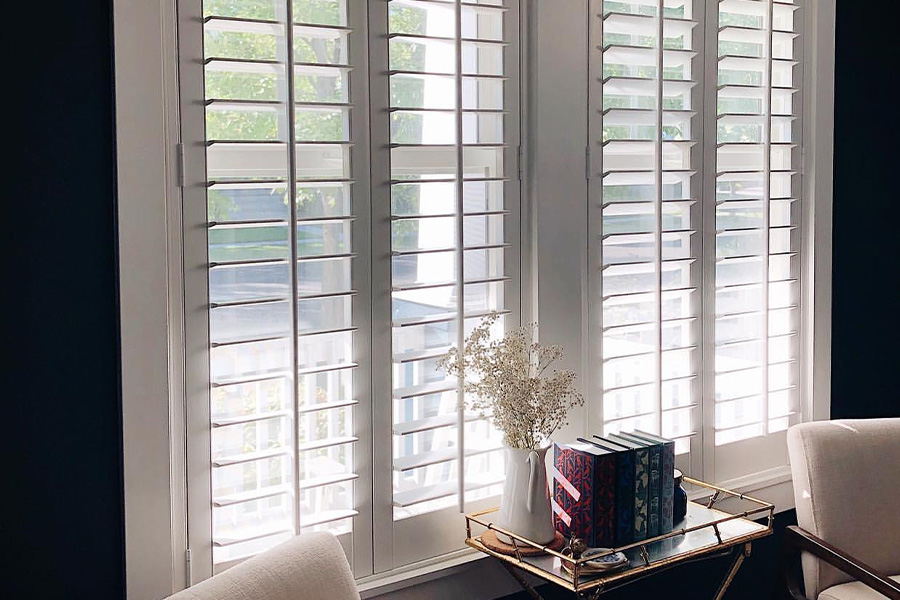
{"x":62,"y":538}
{"x":866,"y":311}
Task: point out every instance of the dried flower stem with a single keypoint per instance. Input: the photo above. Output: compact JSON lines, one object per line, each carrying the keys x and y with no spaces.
{"x":508,"y":379}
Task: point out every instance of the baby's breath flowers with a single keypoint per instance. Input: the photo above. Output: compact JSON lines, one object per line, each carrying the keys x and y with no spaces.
{"x":510,"y":380}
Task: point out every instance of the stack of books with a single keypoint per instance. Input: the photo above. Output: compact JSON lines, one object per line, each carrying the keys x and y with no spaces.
{"x":615,"y":490}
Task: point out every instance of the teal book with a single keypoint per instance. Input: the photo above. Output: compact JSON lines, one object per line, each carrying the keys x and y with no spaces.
{"x":641,"y":485}
{"x":667,"y":494}
{"x":624,"y":490}
{"x":654,"y":494}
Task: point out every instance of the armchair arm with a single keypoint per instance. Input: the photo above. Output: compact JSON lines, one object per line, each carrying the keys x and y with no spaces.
{"x":797,"y":540}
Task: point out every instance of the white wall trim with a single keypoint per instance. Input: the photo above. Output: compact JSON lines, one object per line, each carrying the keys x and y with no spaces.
{"x":773,"y":485}
{"x":416,"y":573}
{"x":446,"y":577}
{"x":557,"y":186}
{"x":818,"y":171}
{"x":149,"y":262}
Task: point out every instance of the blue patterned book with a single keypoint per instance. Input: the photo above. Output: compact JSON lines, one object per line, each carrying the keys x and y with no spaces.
{"x":584,"y":481}
{"x":624,"y":490}
{"x":641,"y":485}
{"x":654,"y":495}
{"x":668,"y":478}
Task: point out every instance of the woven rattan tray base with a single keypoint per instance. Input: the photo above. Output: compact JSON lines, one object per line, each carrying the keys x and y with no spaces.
{"x":490,"y":540}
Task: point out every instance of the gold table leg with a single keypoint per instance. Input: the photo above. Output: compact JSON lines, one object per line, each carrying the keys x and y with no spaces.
{"x":517,"y":575}
{"x":735,"y":565}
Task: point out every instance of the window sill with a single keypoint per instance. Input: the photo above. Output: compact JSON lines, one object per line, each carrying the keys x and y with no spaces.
{"x":773,"y":485}
{"x":418,"y":573}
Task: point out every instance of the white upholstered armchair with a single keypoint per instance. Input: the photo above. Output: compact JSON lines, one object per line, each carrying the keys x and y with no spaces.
{"x":847,"y":494}
{"x":308,"y":567}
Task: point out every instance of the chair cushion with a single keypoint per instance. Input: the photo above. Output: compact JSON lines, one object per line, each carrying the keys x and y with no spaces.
{"x":311,"y":566}
{"x":845,"y":490}
{"x":853,"y":591}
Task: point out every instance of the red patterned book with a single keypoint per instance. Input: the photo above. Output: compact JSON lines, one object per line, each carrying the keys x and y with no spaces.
{"x":584,"y":488}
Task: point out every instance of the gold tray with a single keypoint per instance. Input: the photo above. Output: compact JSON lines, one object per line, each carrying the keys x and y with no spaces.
{"x":706,"y":530}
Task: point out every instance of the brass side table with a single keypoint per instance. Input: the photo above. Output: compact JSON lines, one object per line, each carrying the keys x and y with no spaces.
{"x":706,"y":532}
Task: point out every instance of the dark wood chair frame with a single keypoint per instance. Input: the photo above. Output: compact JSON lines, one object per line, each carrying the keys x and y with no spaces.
{"x":797,"y":540}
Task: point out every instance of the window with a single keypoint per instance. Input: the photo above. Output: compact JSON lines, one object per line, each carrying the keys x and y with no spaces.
{"x":695,"y":184}
{"x":352,"y":207}
{"x":360,"y":191}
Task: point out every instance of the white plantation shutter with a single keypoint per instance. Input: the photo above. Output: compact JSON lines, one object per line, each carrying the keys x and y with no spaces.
{"x":451,"y":122}
{"x":757,"y":281}
{"x":694,"y":226}
{"x":645,"y":206}
{"x":316,"y":315}
{"x":285,"y":143}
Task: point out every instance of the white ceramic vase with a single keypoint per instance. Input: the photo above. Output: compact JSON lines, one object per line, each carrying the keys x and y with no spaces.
{"x":525,"y":506}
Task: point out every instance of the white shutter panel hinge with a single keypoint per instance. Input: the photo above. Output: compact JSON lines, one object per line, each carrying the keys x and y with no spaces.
{"x":520,"y":162}
{"x":188,"y":575}
{"x":179,"y":157}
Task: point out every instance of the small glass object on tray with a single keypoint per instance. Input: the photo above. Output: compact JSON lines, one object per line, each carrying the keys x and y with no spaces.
{"x":597,"y":560}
